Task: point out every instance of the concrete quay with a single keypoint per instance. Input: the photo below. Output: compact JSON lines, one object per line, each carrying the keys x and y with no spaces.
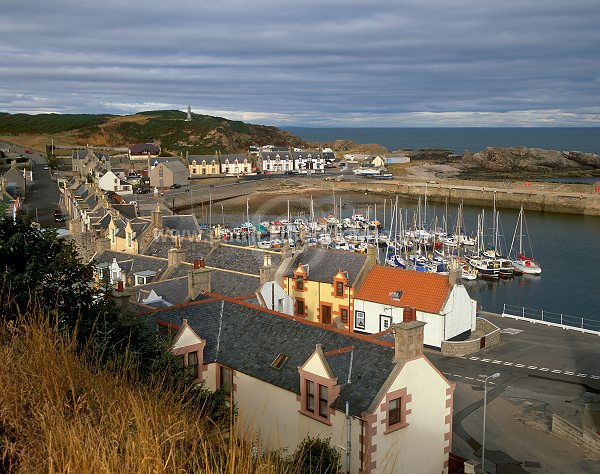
{"x":581,"y":199}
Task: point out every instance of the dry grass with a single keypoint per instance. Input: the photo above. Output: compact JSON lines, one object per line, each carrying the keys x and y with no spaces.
{"x":58,"y":414}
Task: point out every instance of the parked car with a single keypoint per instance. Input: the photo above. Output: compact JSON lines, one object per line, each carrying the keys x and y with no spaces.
{"x":58,"y":216}
{"x":175,"y":186}
{"x":142,"y":190}
{"x":46,"y":167}
{"x":28,"y":151}
{"x":291,"y":172}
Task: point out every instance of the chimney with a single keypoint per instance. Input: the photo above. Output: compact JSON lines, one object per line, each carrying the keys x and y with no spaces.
{"x":102,"y":244}
{"x":267,"y":271}
{"x":286,"y":251}
{"x":371,"y":256}
{"x":455,"y":276}
{"x":157,"y":217}
{"x":199,"y":279}
{"x":175,"y":257}
{"x":408,"y":336}
{"x":122,"y":295}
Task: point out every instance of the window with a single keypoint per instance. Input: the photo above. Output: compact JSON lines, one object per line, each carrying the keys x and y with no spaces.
{"x":300,"y":308}
{"x":359,"y":319}
{"x":323,"y":401}
{"x":384,"y":322}
{"x":310,"y":396}
{"x":394,"y":411}
{"x":128,"y":239}
{"x":192,"y":367}
{"x":279,"y":361}
{"x":344,"y":315}
{"x":225,"y":380}
{"x":299,"y":283}
{"x":339,"y":288}
{"x":280,"y":305}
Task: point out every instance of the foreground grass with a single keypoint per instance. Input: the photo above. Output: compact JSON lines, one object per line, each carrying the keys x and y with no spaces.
{"x":61,"y":414}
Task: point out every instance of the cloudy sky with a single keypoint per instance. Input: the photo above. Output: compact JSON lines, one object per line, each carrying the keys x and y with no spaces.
{"x":308,"y":62}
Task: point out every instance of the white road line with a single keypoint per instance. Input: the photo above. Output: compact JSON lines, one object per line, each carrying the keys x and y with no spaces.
{"x":461,"y":357}
{"x":508,"y":363}
{"x":474,"y":358}
{"x":532,"y":366}
{"x":581,"y":375}
{"x":496,"y":362}
{"x":544,"y":369}
{"x":456,"y":375}
{"x":595,"y":377}
{"x":519,"y":365}
{"x":469,"y":378}
{"x":556,"y":371}
{"x":569,"y":373}
{"x":485,"y":360}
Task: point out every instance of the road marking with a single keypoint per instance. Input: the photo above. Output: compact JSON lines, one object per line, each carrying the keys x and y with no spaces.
{"x":569,"y":373}
{"x":556,"y":371}
{"x":474,"y":358}
{"x":519,"y":365}
{"x":508,"y":363}
{"x":581,"y":375}
{"x":485,"y":360}
{"x":456,"y":375}
{"x":496,"y":362}
{"x":544,"y":369}
{"x":469,"y":378}
{"x":461,"y":357}
{"x":595,"y":377}
{"x":532,"y":366}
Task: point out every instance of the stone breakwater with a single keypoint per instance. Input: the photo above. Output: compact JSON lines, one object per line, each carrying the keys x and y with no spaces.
{"x":544,"y":197}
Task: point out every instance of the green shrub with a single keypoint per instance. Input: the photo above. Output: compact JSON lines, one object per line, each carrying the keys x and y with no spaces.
{"x":316,"y":455}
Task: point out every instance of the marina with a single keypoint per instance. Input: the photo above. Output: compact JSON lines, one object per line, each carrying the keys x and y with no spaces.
{"x":566,"y":246}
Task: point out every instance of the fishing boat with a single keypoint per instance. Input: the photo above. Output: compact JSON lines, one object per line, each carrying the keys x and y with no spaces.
{"x":521,"y":263}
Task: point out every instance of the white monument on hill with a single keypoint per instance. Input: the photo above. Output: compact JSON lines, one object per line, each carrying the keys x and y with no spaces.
{"x":189,"y":114}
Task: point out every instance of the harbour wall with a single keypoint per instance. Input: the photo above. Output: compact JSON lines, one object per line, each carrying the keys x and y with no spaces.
{"x":544,"y":197}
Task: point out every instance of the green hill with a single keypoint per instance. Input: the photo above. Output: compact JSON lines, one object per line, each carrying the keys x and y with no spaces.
{"x":204,"y":134}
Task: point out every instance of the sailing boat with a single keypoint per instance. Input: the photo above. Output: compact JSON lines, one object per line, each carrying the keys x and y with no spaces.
{"x":520,"y":262}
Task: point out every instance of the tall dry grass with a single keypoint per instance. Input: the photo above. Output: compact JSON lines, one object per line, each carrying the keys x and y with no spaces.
{"x":61,"y":414}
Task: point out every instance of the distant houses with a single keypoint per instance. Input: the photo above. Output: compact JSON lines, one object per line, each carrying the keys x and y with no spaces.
{"x":277,"y":160}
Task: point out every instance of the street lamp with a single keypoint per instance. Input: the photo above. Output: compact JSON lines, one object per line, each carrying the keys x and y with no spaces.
{"x":493,"y":376}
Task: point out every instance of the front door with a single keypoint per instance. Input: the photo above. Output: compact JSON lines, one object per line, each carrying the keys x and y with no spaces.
{"x":326,"y":314}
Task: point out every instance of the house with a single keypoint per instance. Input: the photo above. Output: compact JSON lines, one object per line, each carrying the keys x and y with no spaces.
{"x":309,"y":161}
{"x":441,"y":301}
{"x":273,"y":162}
{"x":381,"y":401}
{"x":201,"y":165}
{"x":378,"y":162}
{"x":109,"y":180}
{"x":84,"y":161}
{"x":168,"y":173}
{"x":235,"y":165}
{"x":140,"y":152}
{"x":396,"y":159}
{"x":13,"y":181}
{"x":323,"y":283}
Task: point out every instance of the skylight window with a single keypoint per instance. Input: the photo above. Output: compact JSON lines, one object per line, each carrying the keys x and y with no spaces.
{"x":279,"y":361}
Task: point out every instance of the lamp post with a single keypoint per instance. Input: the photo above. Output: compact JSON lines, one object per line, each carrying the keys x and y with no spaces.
{"x":493,"y":376}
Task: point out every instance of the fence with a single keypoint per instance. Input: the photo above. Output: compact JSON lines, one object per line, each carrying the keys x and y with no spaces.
{"x":548,"y":318}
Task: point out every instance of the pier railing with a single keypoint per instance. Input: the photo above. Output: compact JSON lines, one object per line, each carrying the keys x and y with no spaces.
{"x":548,"y":318}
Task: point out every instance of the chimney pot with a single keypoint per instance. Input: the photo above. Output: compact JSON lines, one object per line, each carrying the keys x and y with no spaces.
{"x":201,"y":263}
{"x":196,"y":264}
{"x":407,"y":315}
{"x":120,"y":287}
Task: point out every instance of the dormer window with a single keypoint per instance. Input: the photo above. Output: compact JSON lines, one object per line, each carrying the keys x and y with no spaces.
{"x":299,"y":283}
{"x":339,"y":288}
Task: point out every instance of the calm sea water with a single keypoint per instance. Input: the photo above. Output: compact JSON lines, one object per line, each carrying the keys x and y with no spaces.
{"x":566,"y":246}
{"x":460,"y":139}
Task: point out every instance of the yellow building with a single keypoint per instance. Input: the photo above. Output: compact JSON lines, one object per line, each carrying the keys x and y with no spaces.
{"x":202,"y":165}
{"x":323,"y":283}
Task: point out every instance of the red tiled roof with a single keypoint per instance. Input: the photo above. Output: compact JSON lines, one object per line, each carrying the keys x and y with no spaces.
{"x":425,"y":291}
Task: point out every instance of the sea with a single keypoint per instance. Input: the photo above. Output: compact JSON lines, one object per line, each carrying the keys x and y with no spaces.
{"x":461,"y":139}
{"x":566,"y":246}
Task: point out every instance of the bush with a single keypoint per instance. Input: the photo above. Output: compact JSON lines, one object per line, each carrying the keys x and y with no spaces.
{"x":316,"y":455}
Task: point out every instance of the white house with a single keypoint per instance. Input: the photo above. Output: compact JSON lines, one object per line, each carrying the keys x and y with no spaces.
{"x":308,"y":161}
{"x":441,"y":301}
{"x":235,"y":165}
{"x":109,"y":181}
{"x":272,"y":296}
{"x":275,"y":161}
{"x":383,"y":403}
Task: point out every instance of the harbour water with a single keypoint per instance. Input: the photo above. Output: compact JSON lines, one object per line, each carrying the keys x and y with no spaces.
{"x":566,"y":246}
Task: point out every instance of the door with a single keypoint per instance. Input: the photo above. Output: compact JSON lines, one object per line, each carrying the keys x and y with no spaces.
{"x":326,"y":314}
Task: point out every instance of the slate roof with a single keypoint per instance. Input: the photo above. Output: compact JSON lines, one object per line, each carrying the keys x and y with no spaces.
{"x":425,"y":291}
{"x":175,"y":166}
{"x":144,"y":149}
{"x":231,"y":284}
{"x":324,"y":264}
{"x":131,"y":263}
{"x":181,"y":224}
{"x":193,"y":249}
{"x":199,"y":158}
{"x":307,"y":155}
{"x":250,"y":338}
{"x":276,"y":155}
{"x":126,"y":210}
{"x":173,"y":290}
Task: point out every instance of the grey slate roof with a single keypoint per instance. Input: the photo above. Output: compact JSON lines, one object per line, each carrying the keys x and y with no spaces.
{"x":126,"y":210}
{"x":144,"y":149}
{"x":276,"y":155}
{"x":131,"y":263}
{"x":250,"y":339}
{"x":193,"y":249}
{"x":182,"y":224}
{"x":241,"y":259}
{"x":231,"y":284}
{"x":323,"y":264}
{"x":173,"y":290}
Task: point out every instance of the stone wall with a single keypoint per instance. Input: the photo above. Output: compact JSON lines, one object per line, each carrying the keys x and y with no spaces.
{"x":582,"y":437}
{"x":460,"y":348}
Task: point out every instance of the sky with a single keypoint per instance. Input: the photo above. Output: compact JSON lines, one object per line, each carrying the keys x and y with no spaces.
{"x":327,"y":63}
